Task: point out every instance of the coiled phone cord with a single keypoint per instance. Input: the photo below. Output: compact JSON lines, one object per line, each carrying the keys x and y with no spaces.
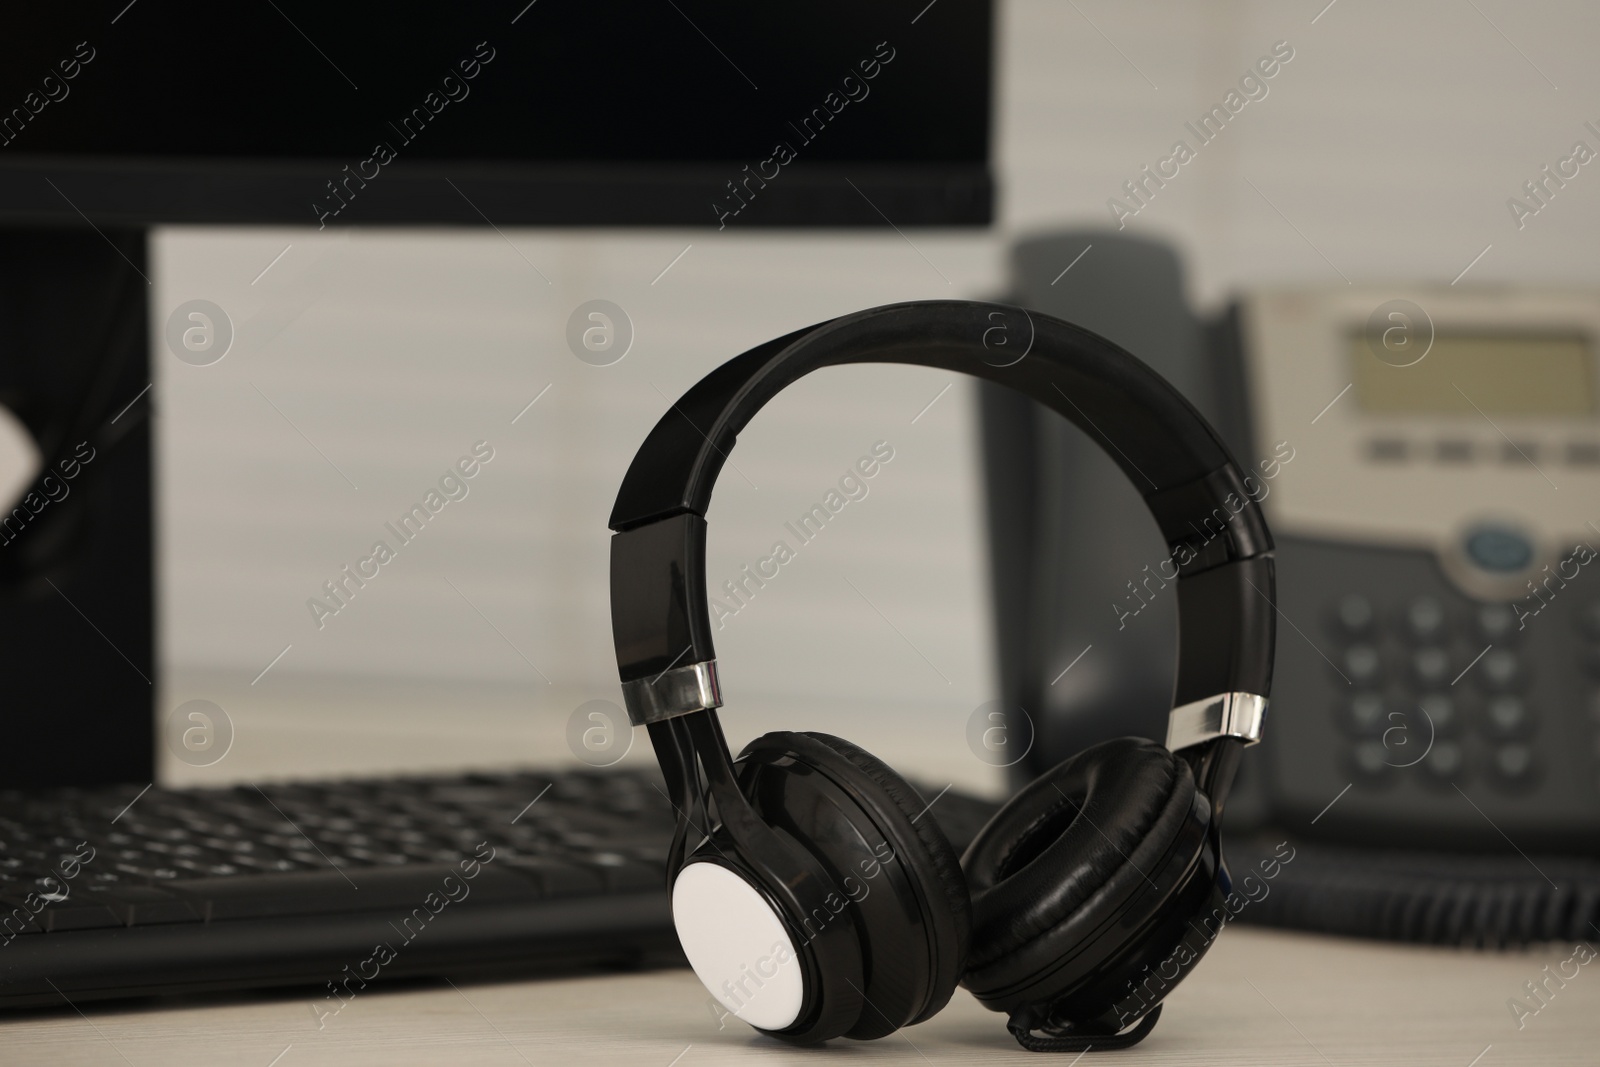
{"x":1428,"y":898}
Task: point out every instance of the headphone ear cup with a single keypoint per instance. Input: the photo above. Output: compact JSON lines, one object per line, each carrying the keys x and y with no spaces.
{"x":938,"y":865}
{"x":912,"y":908}
{"x":1068,"y":854}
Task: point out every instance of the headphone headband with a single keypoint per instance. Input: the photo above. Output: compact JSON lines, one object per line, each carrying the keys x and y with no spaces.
{"x":1221,"y":550}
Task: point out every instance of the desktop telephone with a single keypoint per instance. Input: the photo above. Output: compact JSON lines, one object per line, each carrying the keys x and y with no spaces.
{"x":1428,"y":459}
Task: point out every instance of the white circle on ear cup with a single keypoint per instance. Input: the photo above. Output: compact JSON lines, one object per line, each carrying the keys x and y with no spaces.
{"x":738,"y":945}
{"x":20,"y":459}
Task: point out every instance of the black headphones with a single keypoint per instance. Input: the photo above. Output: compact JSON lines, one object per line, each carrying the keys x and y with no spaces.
{"x":814,"y":902}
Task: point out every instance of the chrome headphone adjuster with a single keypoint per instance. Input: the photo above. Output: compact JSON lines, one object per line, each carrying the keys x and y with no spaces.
{"x":674,"y":692}
{"x":1236,"y":715}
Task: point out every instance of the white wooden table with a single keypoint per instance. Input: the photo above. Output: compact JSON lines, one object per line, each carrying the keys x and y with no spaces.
{"x":1261,"y":997}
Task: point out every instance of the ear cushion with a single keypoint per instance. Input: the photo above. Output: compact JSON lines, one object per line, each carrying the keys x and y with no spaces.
{"x":919,"y":846}
{"x":937,"y":856}
{"x":1066,"y":852}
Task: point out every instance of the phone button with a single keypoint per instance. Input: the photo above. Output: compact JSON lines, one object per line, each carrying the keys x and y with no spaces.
{"x":1507,"y":716}
{"x":1441,"y":713}
{"x":1519,"y":452}
{"x":1584,"y":453}
{"x":1502,"y":668}
{"x":1445,"y":761}
{"x":1388,"y":449}
{"x":1497,"y":622}
{"x":1364,"y":715}
{"x":1431,"y":665}
{"x":1499,"y":549}
{"x":1355,"y":613}
{"x":1425,"y":617}
{"x":1514,"y":765}
{"x":1370,"y":760}
{"x":1361,"y":663}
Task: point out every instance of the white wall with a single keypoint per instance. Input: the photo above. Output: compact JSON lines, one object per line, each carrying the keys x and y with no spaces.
{"x":366,"y":364}
{"x":1392,"y":139}
{"x":1387,"y":148}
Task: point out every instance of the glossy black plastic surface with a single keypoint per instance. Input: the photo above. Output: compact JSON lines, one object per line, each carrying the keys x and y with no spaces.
{"x":659,"y":617}
{"x":1195,"y":490}
{"x":1227,"y":628}
{"x":1213,"y":520}
{"x":1156,"y":436}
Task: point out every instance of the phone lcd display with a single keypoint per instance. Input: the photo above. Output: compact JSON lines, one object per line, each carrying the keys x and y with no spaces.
{"x":1473,"y":373}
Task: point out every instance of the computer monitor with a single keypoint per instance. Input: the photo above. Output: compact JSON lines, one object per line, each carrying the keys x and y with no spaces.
{"x":121,"y":115}
{"x":559,"y":112}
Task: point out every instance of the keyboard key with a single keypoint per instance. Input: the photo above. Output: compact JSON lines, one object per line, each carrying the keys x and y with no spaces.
{"x":559,"y":878}
{"x":17,"y":918}
{"x":81,"y":911}
{"x":625,"y":875}
{"x":138,"y":905}
{"x":328,"y":891}
{"x":222,"y":844}
{"x":268,"y":863}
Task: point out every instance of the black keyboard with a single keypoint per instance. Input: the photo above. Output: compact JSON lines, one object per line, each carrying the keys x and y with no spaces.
{"x":334,"y":885}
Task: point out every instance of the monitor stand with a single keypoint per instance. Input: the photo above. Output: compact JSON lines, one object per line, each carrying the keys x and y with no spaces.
{"x":77,"y":665}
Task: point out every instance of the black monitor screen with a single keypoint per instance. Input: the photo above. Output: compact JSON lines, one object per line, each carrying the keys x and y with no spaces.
{"x":259,"y":110}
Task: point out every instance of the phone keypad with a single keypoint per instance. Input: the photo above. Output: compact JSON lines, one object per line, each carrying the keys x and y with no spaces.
{"x":1422,"y":697}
